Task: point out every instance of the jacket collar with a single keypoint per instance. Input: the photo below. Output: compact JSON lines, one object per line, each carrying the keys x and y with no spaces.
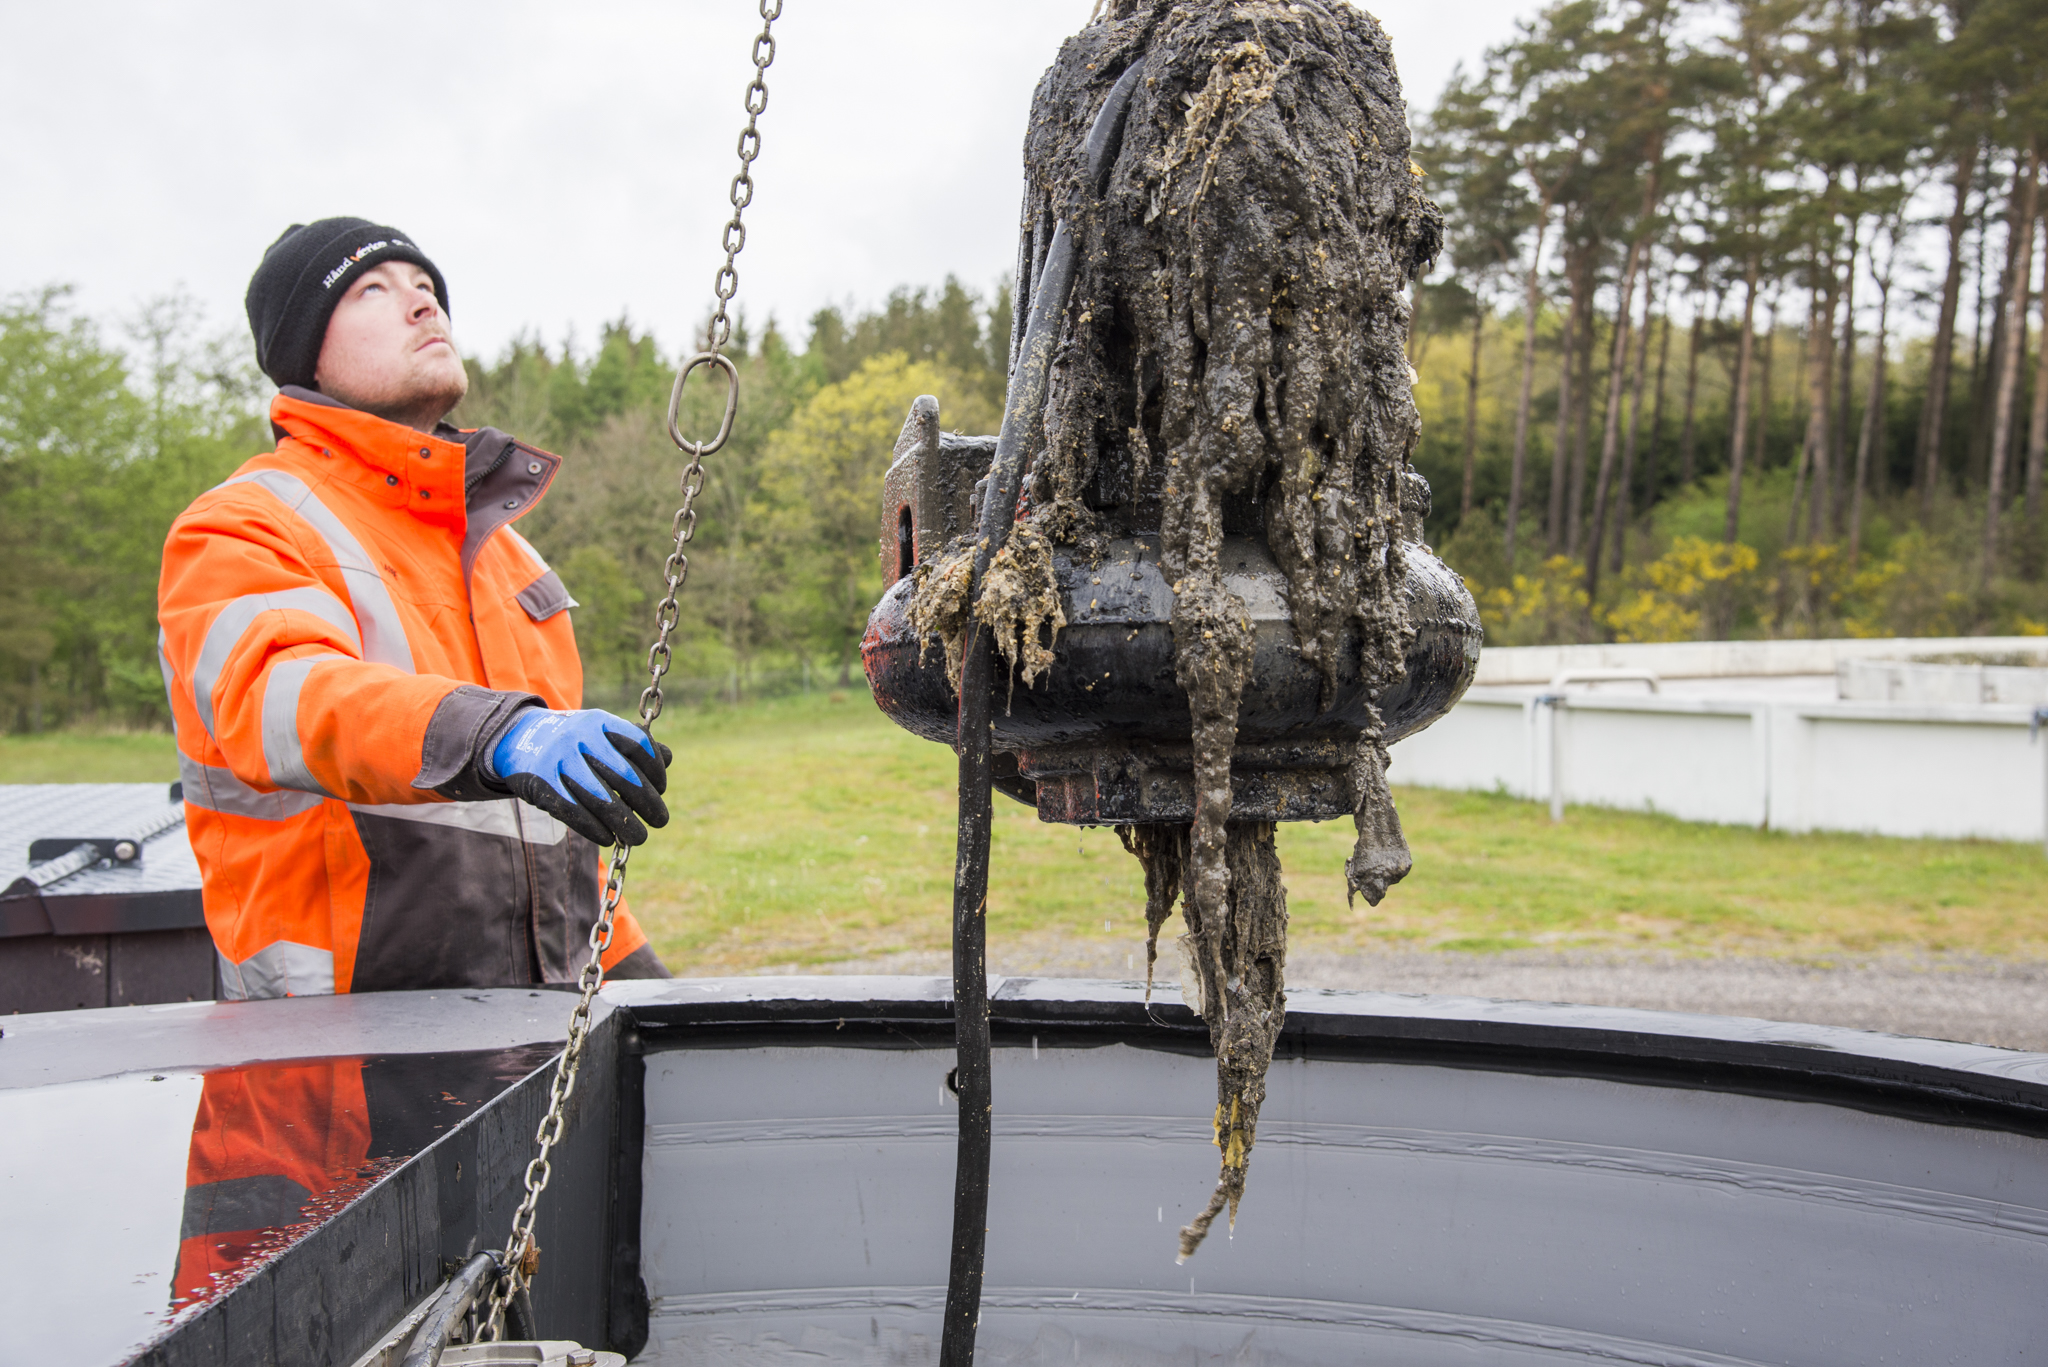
{"x":392,"y":464}
{"x":471,"y":483}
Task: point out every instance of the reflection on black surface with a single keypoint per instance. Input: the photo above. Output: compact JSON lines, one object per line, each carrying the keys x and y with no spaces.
{"x":280,"y":1148}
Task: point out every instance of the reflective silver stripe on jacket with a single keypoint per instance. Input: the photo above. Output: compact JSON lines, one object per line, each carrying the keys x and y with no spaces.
{"x":383,"y":632}
{"x":280,"y":969}
{"x":233,"y":623}
{"x":284,"y":749}
{"x":214,"y":789}
{"x":506,"y":817}
{"x":523,"y":544}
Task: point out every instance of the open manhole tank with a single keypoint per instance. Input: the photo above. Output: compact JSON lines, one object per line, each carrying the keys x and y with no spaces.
{"x":760,"y":1172}
{"x":1221,"y":515}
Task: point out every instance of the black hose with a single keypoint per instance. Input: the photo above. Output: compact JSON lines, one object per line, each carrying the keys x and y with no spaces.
{"x":472,"y":1280}
{"x":970,"y":868}
{"x":970,"y":1011}
{"x":1106,"y":134}
{"x":1021,"y":415}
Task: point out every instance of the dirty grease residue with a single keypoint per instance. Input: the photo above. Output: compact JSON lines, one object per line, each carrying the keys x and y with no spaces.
{"x":1237,"y":335}
{"x":1019,"y":603}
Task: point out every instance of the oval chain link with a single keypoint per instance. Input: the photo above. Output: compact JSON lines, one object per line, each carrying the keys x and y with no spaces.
{"x":522,"y":1254}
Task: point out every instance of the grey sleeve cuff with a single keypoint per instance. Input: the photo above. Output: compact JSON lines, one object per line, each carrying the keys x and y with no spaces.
{"x":460,"y":736}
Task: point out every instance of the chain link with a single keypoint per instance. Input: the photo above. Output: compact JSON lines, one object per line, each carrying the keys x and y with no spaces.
{"x":522,"y":1254}
{"x":727,"y":282}
{"x":742,"y":192}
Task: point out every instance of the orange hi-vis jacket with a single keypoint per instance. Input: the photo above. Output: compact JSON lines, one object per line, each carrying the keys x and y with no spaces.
{"x":346,"y":623}
{"x":268,"y":1141}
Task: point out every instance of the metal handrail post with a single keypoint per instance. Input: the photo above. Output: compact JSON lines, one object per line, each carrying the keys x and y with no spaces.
{"x":1555,"y":703}
{"x":2034,"y":725}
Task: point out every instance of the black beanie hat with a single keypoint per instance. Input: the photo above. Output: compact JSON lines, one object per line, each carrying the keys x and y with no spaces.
{"x":301,"y":279}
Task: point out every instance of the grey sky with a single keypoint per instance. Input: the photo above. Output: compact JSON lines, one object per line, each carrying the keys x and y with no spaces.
{"x":562,"y":163}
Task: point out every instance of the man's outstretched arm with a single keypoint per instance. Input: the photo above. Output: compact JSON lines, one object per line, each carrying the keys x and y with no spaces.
{"x":264,"y":649}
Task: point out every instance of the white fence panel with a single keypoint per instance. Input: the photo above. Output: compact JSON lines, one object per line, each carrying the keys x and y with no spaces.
{"x":1932,"y":771}
{"x":1482,"y":744}
{"x":1723,"y":659}
{"x":1695,"y":762}
{"x":1883,"y":768}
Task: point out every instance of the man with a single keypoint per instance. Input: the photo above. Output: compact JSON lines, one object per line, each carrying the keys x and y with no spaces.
{"x":374,"y":679}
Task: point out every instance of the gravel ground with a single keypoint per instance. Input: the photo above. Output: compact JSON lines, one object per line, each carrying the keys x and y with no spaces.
{"x":1981,"y":1000}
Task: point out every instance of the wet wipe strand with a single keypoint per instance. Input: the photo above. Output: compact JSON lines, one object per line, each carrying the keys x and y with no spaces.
{"x":939,"y":604}
{"x":1162,"y":851}
{"x":1019,"y":604}
{"x":1233,"y":975}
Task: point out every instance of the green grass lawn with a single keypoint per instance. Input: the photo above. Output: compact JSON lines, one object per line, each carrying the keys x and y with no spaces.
{"x":809,"y":829}
{"x":89,"y":757}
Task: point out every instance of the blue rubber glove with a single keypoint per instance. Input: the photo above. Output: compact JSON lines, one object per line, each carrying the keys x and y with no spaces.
{"x":568,"y":765}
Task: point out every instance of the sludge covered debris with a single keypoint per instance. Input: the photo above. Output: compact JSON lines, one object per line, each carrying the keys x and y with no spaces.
{"x":1235,"y":341}
{"x":1239,"y":320}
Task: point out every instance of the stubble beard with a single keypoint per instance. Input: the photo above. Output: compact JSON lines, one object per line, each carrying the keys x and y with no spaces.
{"x":419,"y":400}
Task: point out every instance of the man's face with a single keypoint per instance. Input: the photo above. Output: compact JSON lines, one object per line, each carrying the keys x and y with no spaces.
{"x":388,"y":350}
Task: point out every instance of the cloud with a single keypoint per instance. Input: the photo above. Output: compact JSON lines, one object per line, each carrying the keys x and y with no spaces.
{"x":564,"y":165}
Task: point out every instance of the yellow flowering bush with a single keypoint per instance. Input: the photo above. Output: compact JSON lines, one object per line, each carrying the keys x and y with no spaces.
{"x":1689,"y":593}
{"x":1549,"y":605}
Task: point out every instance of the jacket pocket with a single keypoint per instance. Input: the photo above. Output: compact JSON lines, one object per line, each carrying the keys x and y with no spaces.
{"x":545,"y":597}
{"x":449,"y":897}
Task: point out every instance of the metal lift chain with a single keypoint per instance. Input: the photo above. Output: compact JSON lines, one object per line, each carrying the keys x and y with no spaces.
{"x":522,"y":1254}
